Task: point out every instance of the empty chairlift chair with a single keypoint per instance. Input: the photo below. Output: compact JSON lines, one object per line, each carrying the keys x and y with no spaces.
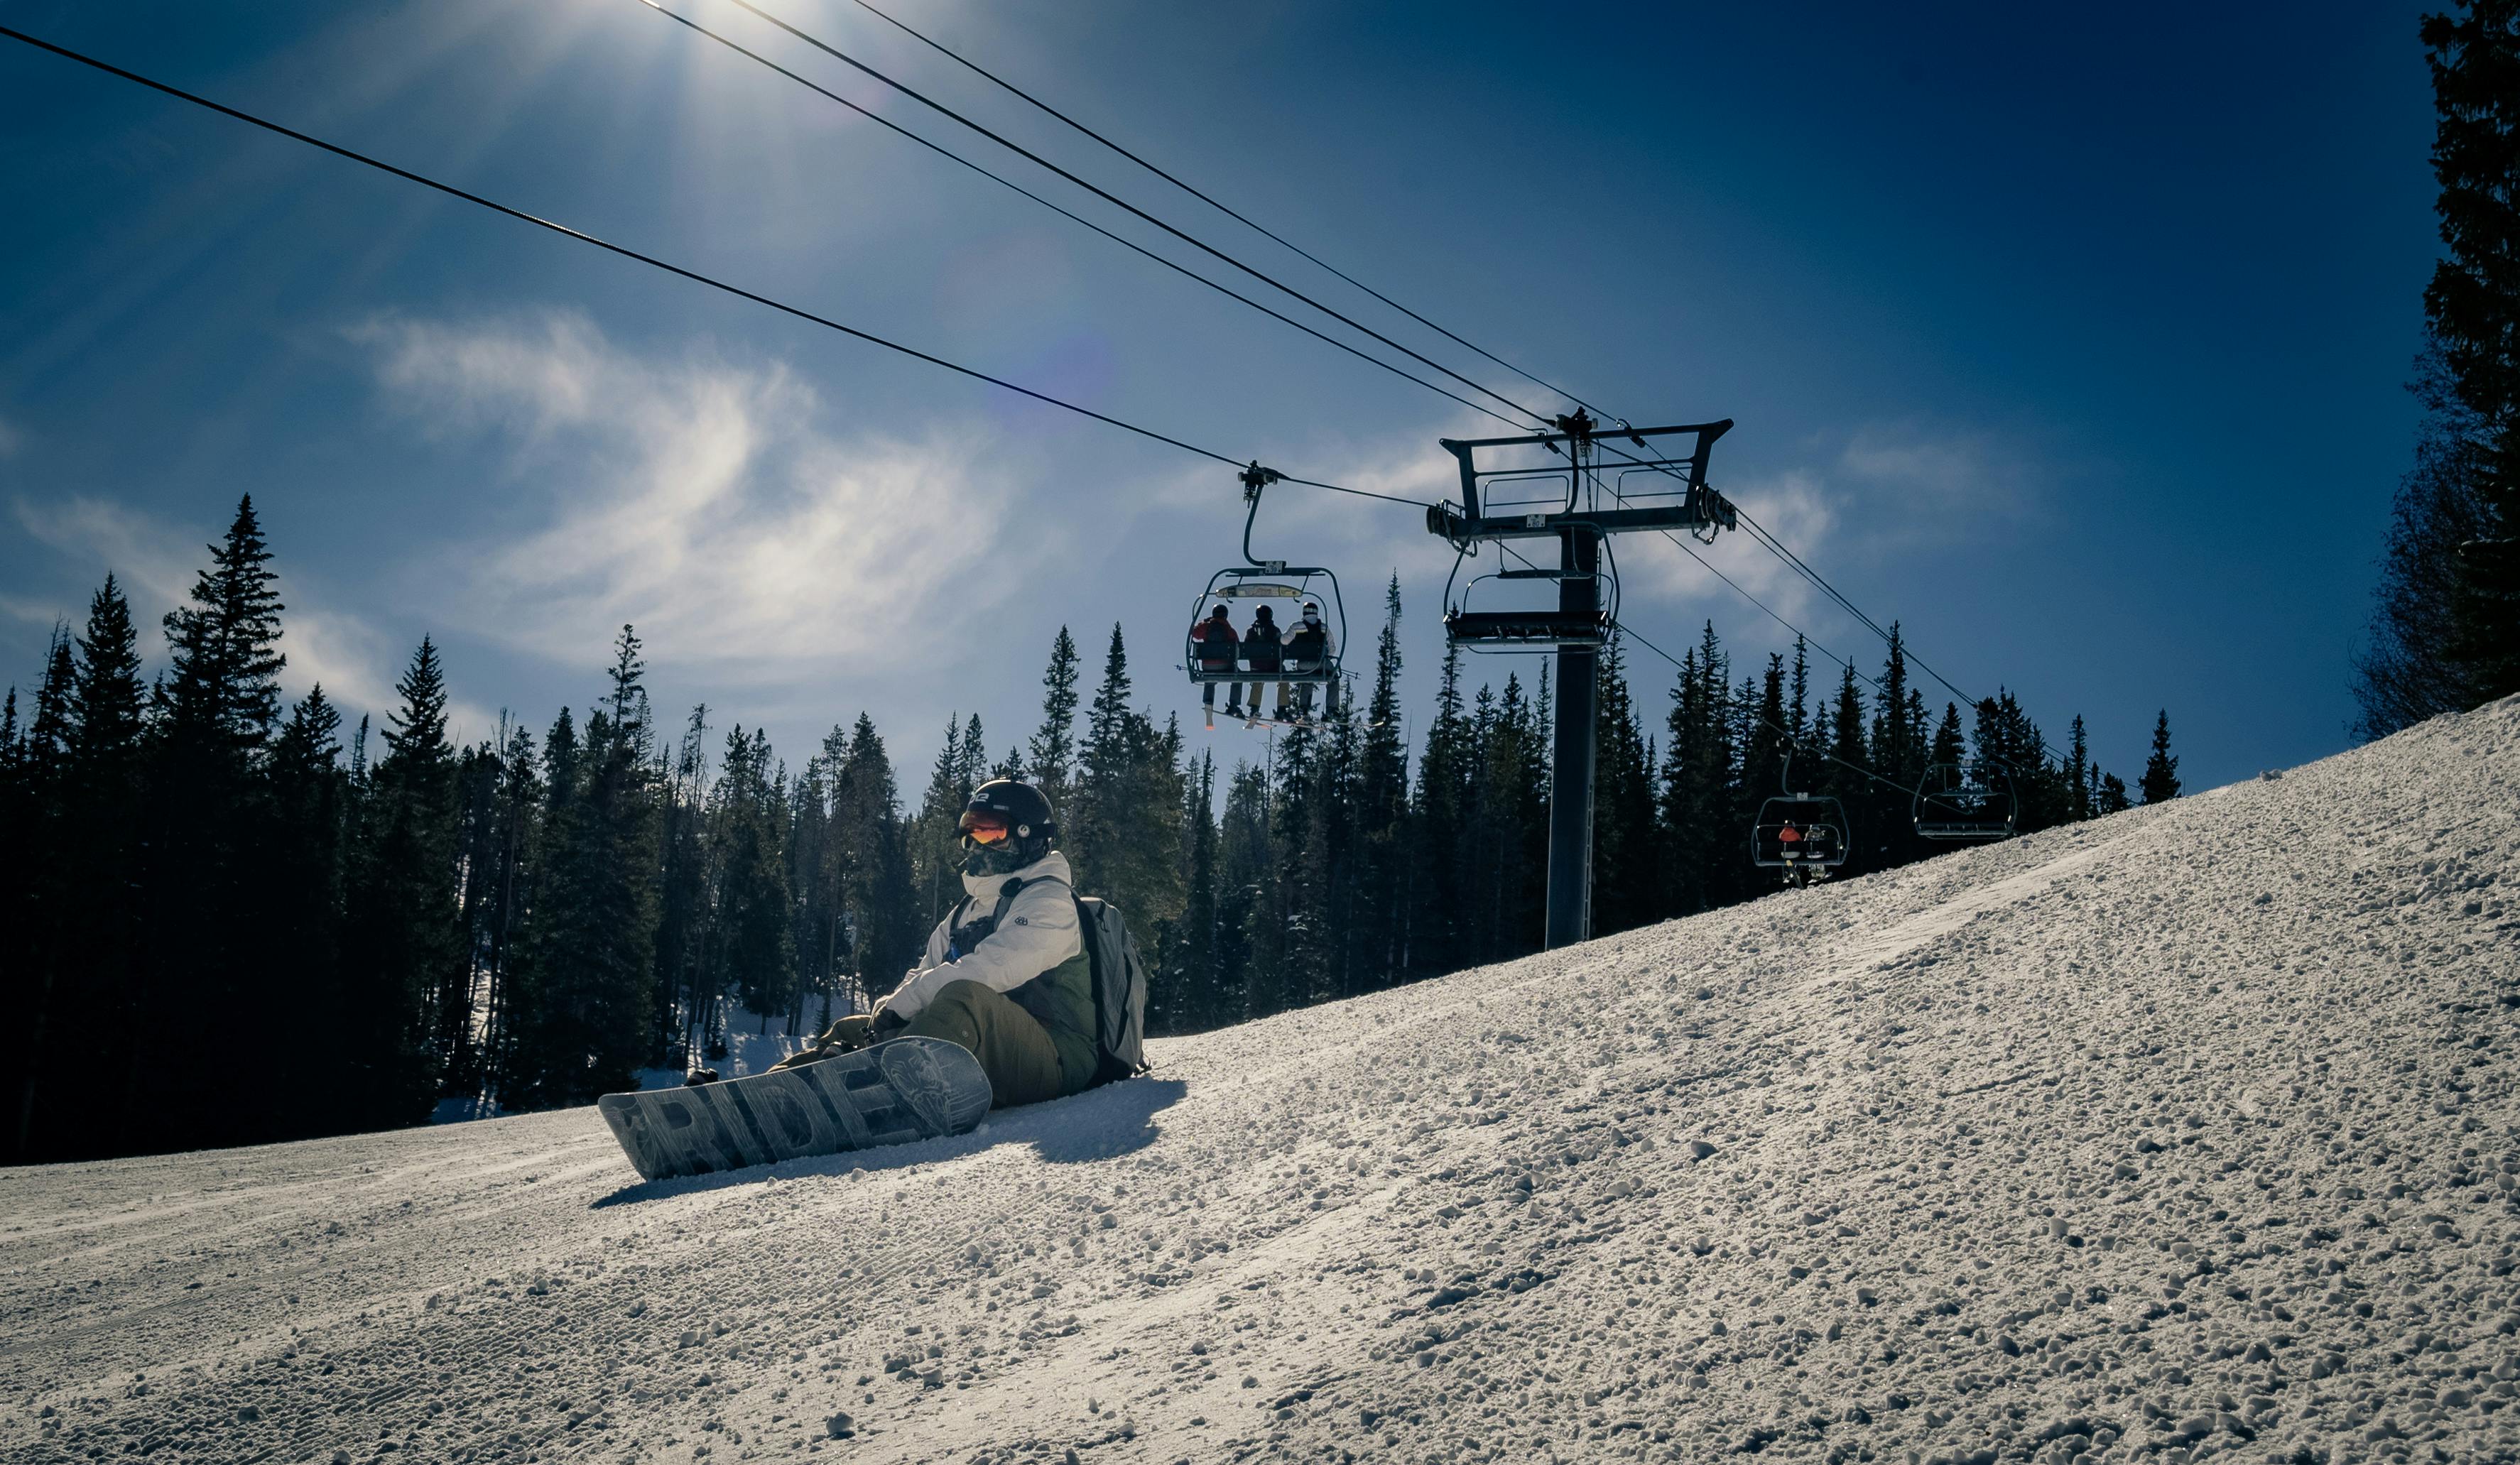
{"x":1965,"y":801}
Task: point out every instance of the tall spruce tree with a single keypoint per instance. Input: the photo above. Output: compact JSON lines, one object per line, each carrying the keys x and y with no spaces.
{"x":403,"y":944}
{"x":1433,"y":880}
{"x":206,"y":829}
{"x":1054,"y":745}
{"x":2160,"y":781}
{"x":2472,"y":307}
{"x":756,"y":951}
{"x":1121,"y":821}
{"x":592,"y":954}
{"x":1382,"y":812}
{"x":2077,"y":772}
{"x":884,"y":909}
{"x":1626,"y":876}
{"x":1192,"y":996}
{"x":307,"y":870}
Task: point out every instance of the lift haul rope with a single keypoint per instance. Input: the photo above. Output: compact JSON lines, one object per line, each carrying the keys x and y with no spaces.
{"x":1117,"y":201}
{"x":949,"y":154}
{"x":1253,"y":224}
{"x":652,"y":261}
{"x":1760,"y":534}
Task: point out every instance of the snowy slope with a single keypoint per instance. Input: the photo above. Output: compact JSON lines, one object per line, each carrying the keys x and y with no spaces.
{"x":2184,"y":1133}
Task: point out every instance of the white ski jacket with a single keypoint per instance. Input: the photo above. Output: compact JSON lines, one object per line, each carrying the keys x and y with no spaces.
{"x":1040,"y":932}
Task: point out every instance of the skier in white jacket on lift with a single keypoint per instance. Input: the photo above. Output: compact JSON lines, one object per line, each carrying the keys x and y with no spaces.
{"x":1004,"y":974}
{"x":1310,"y":647}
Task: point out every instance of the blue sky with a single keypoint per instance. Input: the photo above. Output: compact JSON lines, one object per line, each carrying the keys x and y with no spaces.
{"x":2075,"y":341}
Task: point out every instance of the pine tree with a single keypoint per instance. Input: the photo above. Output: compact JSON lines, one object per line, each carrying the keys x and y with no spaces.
{"x":686,"y":917}
{"x":207,"y":830}
{"x":1433,"y":880}
{"x":2160,"y":781}
{"x":502,"y":916}
{"x":79,"y":933}
{"x":590,"y":959}
{"x":403,"y":948}
{"x":2113,"y":795}
{"x":1193,"y":996}
{"x":2406,"y":671}
{"x":1700,"y":793}
{"x":884,"y":907}
{"x":223,"y":648}
{"x":1121,"y":824}
{"x":1053,"y":746}
{"x":756,"y":951}
{"x":1382,"y":812}
{"x":1625,"y":878}
{"x":2078,"y":773}
{"x":307,"y":1001}
{"x":1848,"y":752}
{"x":1246,"y":898}
{"x":2472,"y":310}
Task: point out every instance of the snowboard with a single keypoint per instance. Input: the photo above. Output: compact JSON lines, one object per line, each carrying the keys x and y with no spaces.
{"x":893,"y":1092}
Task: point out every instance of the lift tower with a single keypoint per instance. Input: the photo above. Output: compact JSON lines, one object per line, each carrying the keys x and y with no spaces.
{"x":1560,"y":485}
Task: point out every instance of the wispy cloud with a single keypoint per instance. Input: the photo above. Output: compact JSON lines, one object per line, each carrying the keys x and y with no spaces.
{"x":153,"y":561}
{"x":699,"y":500}
{"x":1939,"y":472}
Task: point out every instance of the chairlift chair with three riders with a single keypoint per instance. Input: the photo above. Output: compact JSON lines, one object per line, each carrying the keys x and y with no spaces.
{"x":1269,"y":582}
{"x":1966,"y":801}
{"x":1803,"y":835}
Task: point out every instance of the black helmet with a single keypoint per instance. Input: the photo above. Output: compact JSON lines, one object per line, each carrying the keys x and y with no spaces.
{"x":1016,"y":808}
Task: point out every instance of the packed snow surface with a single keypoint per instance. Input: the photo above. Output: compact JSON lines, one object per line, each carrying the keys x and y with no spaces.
{"x":2184,"y":1133}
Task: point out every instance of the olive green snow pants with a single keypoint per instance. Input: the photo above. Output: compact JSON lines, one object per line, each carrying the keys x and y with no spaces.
{"x":1013,"y":1047}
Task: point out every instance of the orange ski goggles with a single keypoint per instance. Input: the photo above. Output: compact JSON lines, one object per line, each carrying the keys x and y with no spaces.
{"x":985,"y":828}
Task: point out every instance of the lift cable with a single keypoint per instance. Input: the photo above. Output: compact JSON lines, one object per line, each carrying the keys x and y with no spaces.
{"x":1230,"y":212}
{"x":1786,"y":555}
{"x":947,"y":153}
{"x":1759,"y":533}
{"x":1112,"y":198}
{"x":1683,"y":546}
{"x":669,"y":267}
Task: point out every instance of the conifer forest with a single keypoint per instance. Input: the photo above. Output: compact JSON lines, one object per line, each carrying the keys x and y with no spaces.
{"x":256,"y":900}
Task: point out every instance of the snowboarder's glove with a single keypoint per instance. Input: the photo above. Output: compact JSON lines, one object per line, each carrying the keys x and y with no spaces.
{"x":699,"y":1076}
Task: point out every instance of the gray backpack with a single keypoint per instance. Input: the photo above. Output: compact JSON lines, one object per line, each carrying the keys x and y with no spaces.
{"x":1119,"y":975}
{"x":1119,"y":989}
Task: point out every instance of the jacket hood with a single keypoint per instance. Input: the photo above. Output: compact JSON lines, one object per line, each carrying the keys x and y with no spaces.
{"x":983,"y":889}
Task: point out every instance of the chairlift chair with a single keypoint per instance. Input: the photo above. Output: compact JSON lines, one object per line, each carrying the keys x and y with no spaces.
{"x":1268,"y":582}
{"x":1474,"y":623}
{"x":1804,"y":835}
{"x":1966,"y":801}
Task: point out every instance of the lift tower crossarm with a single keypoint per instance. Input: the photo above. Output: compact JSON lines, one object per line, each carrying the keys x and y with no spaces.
{"x":1700,"y":508}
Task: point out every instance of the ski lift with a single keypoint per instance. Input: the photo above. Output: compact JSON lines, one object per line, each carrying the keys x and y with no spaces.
{"x":1957,"y":801}
{"x":1804,"y":835}
{"x":1473,"y":621}
{"x":1283,"y":586}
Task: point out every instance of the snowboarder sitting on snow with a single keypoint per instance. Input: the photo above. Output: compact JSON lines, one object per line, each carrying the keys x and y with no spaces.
{"x":1217,"y":649}
{"x":1005,"y":975}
